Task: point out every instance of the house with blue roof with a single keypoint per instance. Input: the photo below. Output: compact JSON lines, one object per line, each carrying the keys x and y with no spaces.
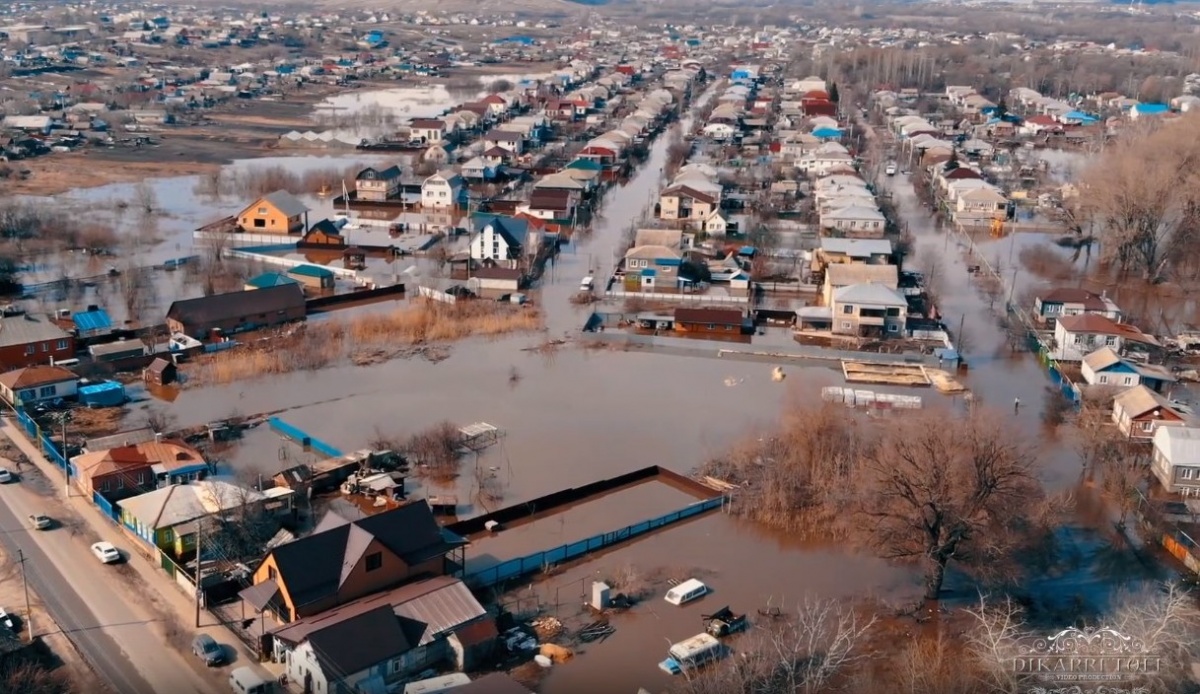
{"x":268,"y":280}
{"x":1138,"y":111}
{"x":1078,"y":118}
{"x":92,"y":323}
{"x":827,"y":133}
{"x":312,"y":276}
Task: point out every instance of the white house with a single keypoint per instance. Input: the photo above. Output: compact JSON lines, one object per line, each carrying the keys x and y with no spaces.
{"x":442,"y":189}
{"x":500,"y":241}
{"x":428,"y":130}
{"x":1077,"y":336}
{"x":1176,"y":461}
{"x":34,"y":384}
{"x":720,"y":131}
{"x":855,"y":220}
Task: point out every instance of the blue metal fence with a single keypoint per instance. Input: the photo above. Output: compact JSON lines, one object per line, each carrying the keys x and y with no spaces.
{"x":107,"y":506}
{"x":47,"y":447}
{"x":302,"y":438}
{"x":521,"y":566}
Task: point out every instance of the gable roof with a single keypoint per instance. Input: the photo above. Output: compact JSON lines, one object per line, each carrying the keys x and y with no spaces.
{"x":1179,"y":445}
{"x":512,"y":229}
{"x":24,"y":329}
{"x":1103,"y":325}
{"x":856,"y":248}
{"x":373,"y":174}
{"x":210,"y":309}
{"x":270,"y":279}
{"x":182,"y":503}
{"x":314,"y":567}
{"x":869,"y":293}
{"x":688,"y":191}
{"x":671,"y":238}
{"x":171,"y":455}
{"x":285,"y":202}
{"x":846,"y":274}
{"x":32,"y":376}
{"x":1074,"y":295}
{"x":1102,"y":358}
{"x":1139,"y":400}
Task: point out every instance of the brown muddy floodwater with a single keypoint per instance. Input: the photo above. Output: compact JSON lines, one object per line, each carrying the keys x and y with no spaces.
{"x":612,"y":511}
{"x":746,"y":568}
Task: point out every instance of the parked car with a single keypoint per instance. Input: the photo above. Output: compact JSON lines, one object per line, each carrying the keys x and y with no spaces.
{"x":207,"y":649}
{"x":5,"y":476}
{"x":106,"y":552}
{"x":890,"y":170}
{"x":39,"y":521}
{"x":7,"y":621}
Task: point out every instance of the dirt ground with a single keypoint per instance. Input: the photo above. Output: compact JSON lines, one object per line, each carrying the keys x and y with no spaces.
{"x":12,"y":599}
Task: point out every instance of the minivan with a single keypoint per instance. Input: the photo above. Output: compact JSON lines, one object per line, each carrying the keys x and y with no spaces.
{"x":245,"y":680}
{"x":686,"y":592}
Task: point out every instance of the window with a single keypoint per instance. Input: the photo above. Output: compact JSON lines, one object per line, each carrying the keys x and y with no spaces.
{"x":260,"y":223}
{"x":120,"y":482}
{"x":30,"y":349}
{"x":848,"y":309}
{"x":1185,"y":473}
{"x":47,"y":391}
{"x":1103,"y":378}
{"x":262,"y":210}
{"x":1110,"y":340}
{"x":395,"y":666}
{"x":45,"y":346}
{"x":893,"y":328}
{"x":62,"y":344}
{"x":1078,"y":339}
{"x":374,"y":561}
{"x":1129,"y":380}
{"x":1147,"y":426}
{"x":271,"y":574}
{"x":847,"y":325}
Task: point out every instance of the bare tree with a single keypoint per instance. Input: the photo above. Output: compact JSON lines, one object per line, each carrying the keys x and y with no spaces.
{"x":805,"y":652}
{"x":945,"y":489}
{"x":145,"y":198}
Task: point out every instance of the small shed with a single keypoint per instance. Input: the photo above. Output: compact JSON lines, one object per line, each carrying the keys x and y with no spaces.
{"x":354,"y":258}
{"x":161,"y":372}
{"x":104,"y":394}
{"x":268,"y":279}
{"x":312,"y":276}
{"x":116,"y":351}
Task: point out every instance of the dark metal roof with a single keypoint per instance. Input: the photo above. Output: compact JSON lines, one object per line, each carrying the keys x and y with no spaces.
{"x":360,"y":642}
{"x":212,"y":309}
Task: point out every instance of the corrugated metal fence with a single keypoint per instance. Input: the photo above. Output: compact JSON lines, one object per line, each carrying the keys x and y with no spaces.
{"x":298,"y":435}
{"x":532,"y":563}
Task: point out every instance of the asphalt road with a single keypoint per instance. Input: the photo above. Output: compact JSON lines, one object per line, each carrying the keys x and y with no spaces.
{"x":81,"y":595}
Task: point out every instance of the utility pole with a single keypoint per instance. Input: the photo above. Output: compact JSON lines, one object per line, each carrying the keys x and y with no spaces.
{"x":199,"y":565}
{"x":25,"y":584}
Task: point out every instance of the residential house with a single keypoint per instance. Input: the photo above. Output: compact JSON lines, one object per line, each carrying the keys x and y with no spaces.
{"x":981,"y":203}
{"x":478,"y":169}
{"x":858,"y":221}
{"x":237,"y":311}
{"x":312,"y":276}
{"x":837,"y":251}
{"x":846,"y":274}
{"x":869,"y":310}
{"x":377,"y":185}
{"x":29,"y":385}
{"x":1070,"y":301}
{"x":125,"y":471}
{"x":343,"y":560}
{"x":1079,"y":335}
{"x":324,"y":233}
{"x":1176,"y":459}
{"x":492,"y":281}
{"x":169,"y":517}
{"x":267,"y":280}
{"x":1105,"y":367}
{"x":508,"y":140}
{"x":376,"y":643}
{"x":275,"y":213}
{"x":712,"y":321}
{"x":685,"y":203}
{"x":26,"y":340}
{"x":557,"y":204}
{"x":500,"y":241}
{"x":652,"y":268}
{"x":443,"y":189}
{"x":427,"y":130}
{"x":1139,"y":411}
{"x":436,"y":155}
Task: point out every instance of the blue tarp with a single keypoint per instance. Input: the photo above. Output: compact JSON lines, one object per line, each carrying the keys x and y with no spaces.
{"x":92,"y":321}
{"x":827,"y":133}
{"x":106,"y":394}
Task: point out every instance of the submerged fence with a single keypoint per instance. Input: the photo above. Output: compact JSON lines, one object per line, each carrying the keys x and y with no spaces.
{"x":538,"y":561}
{"x":299,"y":436}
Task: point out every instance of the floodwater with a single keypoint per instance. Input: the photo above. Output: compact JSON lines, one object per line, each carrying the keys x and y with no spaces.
{"x":746,"y":567}
{"x":612,"y":511}
{"x":402,"y":103}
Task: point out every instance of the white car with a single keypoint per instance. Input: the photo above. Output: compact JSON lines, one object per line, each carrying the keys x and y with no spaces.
{"x":106,"y":553}
{"x":5,"y":476}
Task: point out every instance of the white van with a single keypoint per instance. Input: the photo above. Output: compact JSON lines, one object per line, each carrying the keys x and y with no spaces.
{"x":588,"y":284}
{"x":245,"y":680}
{"x":692,"y":653}
{"x":686,"y":592}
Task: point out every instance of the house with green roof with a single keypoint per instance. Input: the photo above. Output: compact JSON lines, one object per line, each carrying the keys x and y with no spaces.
{"x":267,"y":280}
{"x":312,"y":276}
